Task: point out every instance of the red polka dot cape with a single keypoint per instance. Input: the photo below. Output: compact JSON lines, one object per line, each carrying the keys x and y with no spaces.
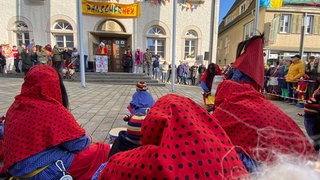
{"x":256,"y":125}
{"x":37,"y":119}
{"x":180,"y":141}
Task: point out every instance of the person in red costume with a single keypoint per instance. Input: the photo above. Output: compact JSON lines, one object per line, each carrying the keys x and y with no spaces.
{"x":249,"y":64}
{"x":42,"y":138}
{"x":206,"y":81}
{"x":301,"y":90}
{"x":103,"y":50}
{"x":179,"y":141}
{"x":255,"y":125}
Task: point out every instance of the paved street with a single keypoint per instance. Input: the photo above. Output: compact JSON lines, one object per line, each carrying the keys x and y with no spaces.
{"x":99,"y":108}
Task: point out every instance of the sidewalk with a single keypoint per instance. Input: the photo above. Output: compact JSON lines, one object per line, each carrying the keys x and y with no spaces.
{"x":100,"y":107}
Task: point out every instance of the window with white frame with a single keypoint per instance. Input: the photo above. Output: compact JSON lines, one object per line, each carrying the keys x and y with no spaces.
{"x":156,"y":41}
{"x":285,"y":23}
{"x":242,"y":8}
{"x":248,"y":30}
{"x":309,"y":24}
{"x":63,"y":33}
{"x":190,"y":45}
{"x":22,"y":33}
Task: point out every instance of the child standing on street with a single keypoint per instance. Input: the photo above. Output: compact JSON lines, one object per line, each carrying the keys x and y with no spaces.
{"x":141,"y":102}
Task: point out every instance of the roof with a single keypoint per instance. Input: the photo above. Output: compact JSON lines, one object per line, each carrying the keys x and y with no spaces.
{"x":223,"y":27}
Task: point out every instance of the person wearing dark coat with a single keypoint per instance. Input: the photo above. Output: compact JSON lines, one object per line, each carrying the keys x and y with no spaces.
{"x":26,"y":60}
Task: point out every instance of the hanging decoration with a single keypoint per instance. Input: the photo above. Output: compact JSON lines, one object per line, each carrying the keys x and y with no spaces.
{"x":192,"y":4}
{"x":159,"y":2}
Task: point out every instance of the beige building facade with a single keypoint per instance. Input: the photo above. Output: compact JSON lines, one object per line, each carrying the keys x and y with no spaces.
{"x":55,"y":22}
{"x":282,"y":29}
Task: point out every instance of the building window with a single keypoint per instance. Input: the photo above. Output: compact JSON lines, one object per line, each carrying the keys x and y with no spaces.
{"x":309,"y":25}
{"x":228,"y":20}
{"x":191,"y":41}
{"x":226,"y":45}
{"x":248,"y":30}
{"x":156,"y":42}
{"x":22,"y":33}
{"x":242,"y":8}
{"x":63,"y":33}
{"x":285,"y":23}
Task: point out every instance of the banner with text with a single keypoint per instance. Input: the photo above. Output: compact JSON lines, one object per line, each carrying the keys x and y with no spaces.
{"x":111,"y":9}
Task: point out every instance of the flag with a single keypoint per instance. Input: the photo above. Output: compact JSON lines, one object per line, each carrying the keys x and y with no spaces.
{"x":271,"y":3}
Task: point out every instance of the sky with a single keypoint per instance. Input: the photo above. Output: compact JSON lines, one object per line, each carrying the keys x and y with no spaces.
{"x":225,"y":5}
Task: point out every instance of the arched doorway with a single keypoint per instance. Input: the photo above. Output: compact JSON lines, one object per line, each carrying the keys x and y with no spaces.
{"x":114,"y":35}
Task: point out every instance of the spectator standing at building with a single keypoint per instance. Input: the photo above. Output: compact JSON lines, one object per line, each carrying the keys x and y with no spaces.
{"x":34,"y":56}
{"x":283,"y":71}
{"x":128,"y":61}
{"x":170,"y":72}
{"x":313,"y":70}
{"x":42,"y":56}
{"x":75,"y":58}
{"x":155,"y":67}
{"x":2,"y":61}
{"x":164,"y":71}
{"x":15,"y":53}
{"x":48,"y":50}
{"x":147,"y":60}
{"x":138,"y":58}
{"x":180,"y":72}
{"x":186,"y":74}
{"x":57,"y":58}
{"x":273,"y":75}
{"x":7,"y":52}
{"x":193,"y":73}
{"x":295,"y":72}
{"x":66,"y":54}
{"x":202,"y":68}
{"x":26,"y":60}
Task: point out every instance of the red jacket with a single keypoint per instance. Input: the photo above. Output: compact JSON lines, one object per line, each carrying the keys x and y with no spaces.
{"x":105,"y":50}
{"x":15,"y":53}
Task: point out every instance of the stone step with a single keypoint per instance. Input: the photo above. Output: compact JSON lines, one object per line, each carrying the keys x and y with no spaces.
{"x":104,"y":78}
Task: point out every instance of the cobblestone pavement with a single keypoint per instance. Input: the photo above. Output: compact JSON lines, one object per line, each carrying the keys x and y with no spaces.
{"x":100,"y":107}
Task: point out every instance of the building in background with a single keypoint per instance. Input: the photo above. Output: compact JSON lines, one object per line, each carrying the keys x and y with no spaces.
{"x":55,"y":22}
{"x":281,"y":26}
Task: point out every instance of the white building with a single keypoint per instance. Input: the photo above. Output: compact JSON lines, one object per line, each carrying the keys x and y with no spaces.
{"x":55,"y":22}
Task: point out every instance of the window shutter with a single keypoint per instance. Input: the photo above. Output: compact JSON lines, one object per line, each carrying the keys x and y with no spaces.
{"x":296,"y":23}
{"x":316,"y":25}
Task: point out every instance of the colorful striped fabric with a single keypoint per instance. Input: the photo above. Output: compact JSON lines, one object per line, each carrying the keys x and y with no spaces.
{"x":271,"y":3}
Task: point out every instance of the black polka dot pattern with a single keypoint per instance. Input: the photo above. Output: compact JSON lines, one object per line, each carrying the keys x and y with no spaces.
{"x":37,"y":119}
{"x":256,"y":125}
{"x":187,"y":147}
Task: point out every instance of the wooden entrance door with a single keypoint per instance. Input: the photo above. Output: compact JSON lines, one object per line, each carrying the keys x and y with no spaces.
{"x":116,"y":47}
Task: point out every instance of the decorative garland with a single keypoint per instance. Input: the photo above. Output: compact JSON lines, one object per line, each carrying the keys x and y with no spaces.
{"x":192,"y":4}
{"x":158,"y":1}
{"x":189,"y":4}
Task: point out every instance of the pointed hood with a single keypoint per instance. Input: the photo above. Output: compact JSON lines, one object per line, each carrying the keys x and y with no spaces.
{"x":250,"y":59}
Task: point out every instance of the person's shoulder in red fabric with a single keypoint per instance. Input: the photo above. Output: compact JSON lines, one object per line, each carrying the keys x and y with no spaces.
{"x":258,"y":126}
{"x":176,"y":145}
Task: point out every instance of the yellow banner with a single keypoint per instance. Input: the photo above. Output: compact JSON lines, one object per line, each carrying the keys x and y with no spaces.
{"x":111,"y":9}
